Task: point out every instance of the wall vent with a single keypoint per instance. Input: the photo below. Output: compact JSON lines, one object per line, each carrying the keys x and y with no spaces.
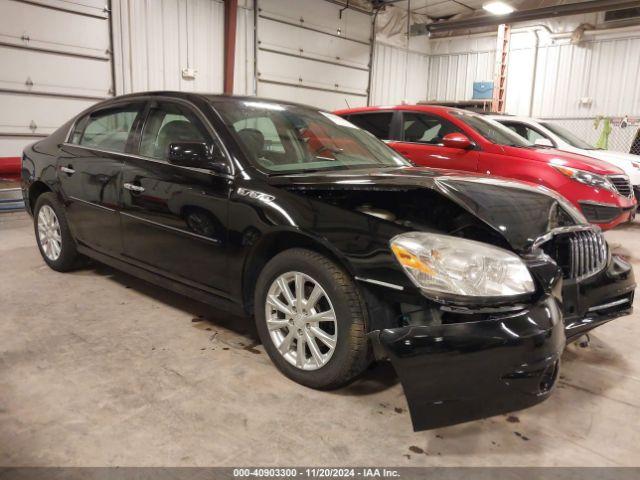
{"x":623,"y":14}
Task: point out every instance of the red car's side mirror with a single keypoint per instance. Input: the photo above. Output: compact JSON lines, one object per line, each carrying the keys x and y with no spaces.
{"x":457,"y":140}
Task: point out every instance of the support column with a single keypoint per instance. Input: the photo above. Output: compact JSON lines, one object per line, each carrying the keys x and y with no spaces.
{"x":230,"y":26}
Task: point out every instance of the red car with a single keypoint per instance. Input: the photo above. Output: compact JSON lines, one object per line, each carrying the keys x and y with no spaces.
{"x":449,"y":138}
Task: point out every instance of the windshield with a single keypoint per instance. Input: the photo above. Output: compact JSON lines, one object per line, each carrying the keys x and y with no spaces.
{"x":281,"y":138}
{"x":491,"y":130}
{"x":567,"y":136}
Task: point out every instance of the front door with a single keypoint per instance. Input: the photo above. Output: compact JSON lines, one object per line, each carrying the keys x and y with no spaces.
{"x":421,"y":142}
{"x":174,"y":217}
{"x":89,"y":168}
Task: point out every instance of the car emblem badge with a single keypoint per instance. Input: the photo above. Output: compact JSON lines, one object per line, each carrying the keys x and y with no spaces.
{"x":263,"y":197}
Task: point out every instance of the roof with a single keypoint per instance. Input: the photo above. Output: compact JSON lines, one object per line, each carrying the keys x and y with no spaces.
{"x":415,"y":108}
{"x":497,"y":116}
{"x":208,"y":96}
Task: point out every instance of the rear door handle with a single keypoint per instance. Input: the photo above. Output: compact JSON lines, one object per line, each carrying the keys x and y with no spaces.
{"x":133,"y":188}
{"x":68,"y":170}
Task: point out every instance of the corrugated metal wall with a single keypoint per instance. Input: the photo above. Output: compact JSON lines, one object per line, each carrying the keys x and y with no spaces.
{"x":451,"y":76}
{"x":155,"y":40}
{"x":604,"y":70}
{"x":454,"y":64}
{"x":398,"y":76}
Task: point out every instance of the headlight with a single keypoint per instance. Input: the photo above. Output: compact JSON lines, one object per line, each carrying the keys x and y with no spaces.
{"x":588,"y":178}
{"x":443,"y":264}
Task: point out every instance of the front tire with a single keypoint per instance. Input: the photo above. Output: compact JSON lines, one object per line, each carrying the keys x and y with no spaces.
{"x":311,"y":319}
{"x":57,"y":247}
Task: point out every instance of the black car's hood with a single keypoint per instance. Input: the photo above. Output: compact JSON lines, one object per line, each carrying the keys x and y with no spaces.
{"x":519,"y":211}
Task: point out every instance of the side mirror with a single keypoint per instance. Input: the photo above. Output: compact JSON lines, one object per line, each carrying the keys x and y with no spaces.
{"x":457,"y":140}
{"x":195,"y":155}
{"x":543,"y":142}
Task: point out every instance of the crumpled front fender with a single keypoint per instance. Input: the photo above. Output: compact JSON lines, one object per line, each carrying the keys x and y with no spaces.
{"x":454,"y":373}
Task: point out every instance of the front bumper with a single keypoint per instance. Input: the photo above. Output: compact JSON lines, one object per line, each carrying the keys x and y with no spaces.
{"x":599,"y":299}
{"x":457,"y":372}
{"x":608,"y":216}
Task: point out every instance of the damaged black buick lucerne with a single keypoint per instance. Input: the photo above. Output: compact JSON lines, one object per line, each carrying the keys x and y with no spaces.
{"x":343,"y":251}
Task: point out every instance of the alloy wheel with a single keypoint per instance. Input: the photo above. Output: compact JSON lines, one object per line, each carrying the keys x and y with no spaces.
{"x":49,"y":233}
{"x":301,"y":320}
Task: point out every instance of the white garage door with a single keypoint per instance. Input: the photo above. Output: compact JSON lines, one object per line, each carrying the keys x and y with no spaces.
{"x":308,"y":54}
{"x":55,"y":58}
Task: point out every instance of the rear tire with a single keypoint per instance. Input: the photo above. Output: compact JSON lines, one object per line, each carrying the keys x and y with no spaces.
{"x":57,"y":246}
{"x":317,"y":338}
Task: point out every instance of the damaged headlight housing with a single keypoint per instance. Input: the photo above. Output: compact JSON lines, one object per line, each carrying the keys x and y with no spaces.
{"x":441,"y":264}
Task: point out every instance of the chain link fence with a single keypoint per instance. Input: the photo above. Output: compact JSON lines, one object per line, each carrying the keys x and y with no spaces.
{"x":624,"y":135}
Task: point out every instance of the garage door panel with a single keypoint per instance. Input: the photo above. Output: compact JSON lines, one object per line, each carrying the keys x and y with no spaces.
{"x":308,"y":53}
{"x":294,"y":40}
{"x":320,"y":99}
{"x":319,"y":15}
{"x":32,"y":26}
{"x":56,"y":74}
{"x":288,"y":69}
{"x":13,"y":146}
{"x":21,"y":111}
{"x":86,"y":7}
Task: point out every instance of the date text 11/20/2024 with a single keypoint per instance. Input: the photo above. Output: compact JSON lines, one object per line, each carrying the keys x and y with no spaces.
{"x":316,"y":472}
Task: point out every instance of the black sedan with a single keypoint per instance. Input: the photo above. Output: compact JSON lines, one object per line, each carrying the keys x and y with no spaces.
{"x":343,"y":251}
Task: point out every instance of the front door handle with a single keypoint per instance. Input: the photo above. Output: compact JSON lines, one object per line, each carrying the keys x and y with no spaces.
{"x":68,"y":170}
{"x":133,"y":188}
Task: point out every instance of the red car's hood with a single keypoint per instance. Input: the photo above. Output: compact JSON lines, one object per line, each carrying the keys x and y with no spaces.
{"x":573,"y":160}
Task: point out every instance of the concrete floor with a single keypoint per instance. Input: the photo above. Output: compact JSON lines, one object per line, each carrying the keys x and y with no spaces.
{"x":100,"y":369}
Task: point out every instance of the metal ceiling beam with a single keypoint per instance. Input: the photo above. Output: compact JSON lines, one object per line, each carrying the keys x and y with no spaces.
{"x":522,"y":16}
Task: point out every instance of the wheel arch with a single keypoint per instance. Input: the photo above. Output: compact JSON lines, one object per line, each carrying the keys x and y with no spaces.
{"x":36,"y":189}
{"x":271,"y":245}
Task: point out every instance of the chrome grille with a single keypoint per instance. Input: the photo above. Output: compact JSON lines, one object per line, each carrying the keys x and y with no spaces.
{"x":587,"y":253}
{"x":622,"y":184}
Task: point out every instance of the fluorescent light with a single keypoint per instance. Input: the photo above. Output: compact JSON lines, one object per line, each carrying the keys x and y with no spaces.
{"x":498,"y":8}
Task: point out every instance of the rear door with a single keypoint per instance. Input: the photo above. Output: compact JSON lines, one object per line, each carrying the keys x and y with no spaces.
{"x":174,"y":217}
{"x":89,"y":168}
{"x":420,"y":141}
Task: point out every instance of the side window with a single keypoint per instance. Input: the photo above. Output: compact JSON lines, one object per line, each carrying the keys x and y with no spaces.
{"x":379,"y":123}
{"x":261,"y":133}
{"x":106,"y":129}
{"x":170,"y":123}
{"x":525,"y":131}
{"x":423,"y":128}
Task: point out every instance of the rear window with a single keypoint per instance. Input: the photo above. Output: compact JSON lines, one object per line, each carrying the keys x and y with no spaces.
{"x":106,"y":129}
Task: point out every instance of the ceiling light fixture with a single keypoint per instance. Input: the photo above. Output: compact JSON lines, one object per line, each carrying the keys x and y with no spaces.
{"x":498,"y":8}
